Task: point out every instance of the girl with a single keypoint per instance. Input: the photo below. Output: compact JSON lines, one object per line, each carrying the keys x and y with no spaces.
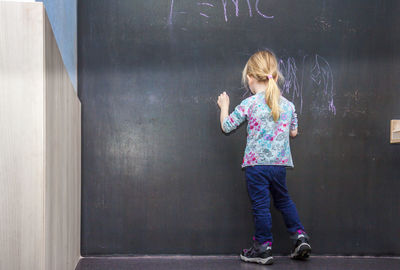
{"x":271,"y":119}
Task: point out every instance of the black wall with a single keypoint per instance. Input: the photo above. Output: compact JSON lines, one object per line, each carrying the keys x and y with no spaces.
{"x":159,"y":176}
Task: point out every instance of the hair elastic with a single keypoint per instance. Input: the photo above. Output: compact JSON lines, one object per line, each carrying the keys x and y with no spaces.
{"x":269,"y":76}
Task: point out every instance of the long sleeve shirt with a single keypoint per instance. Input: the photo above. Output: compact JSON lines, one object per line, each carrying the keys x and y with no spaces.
{"x":267,"y":141}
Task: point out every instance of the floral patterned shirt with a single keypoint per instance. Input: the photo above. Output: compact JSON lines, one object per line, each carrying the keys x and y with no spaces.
{"x":267,"y":141}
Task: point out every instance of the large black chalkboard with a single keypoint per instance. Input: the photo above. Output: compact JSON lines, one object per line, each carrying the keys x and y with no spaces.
{"x":159,"y":176}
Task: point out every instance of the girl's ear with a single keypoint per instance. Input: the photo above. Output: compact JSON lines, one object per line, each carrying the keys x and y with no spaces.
{"x":248,"y":78}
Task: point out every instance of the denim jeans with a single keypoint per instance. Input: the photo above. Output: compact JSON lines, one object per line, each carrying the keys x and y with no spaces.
{"x":261,"y":181}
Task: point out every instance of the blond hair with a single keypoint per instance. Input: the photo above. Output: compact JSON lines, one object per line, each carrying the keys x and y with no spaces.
{"x":261,"y":66}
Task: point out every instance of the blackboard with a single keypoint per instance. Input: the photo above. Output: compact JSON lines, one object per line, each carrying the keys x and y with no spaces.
{"x":158,"y":174}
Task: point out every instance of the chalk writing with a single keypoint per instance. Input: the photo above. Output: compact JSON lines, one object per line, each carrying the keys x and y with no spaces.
{"x":171,"y":12}
{"x":250,"y":11}
{"x":206,"y":4}
{"x":289,"y":71}
{"x":321,"y":74}
{"x":225,"y":14}
{"x":316,"y":74}
{"x":260,"y":13}
{"x":225,"y":7}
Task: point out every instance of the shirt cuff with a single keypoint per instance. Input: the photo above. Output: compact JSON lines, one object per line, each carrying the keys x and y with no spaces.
{"x":226,"y":125}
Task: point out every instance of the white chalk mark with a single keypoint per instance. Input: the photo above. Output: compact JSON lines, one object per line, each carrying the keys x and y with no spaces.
{"x":332,"y":107}
{"x":321,"y":74}
{"x":224,"y":2}
{"x":236,"y":3}
{"x":171,"y":12}
{"x":291,"y":84}
{"x":205,"y":4}
{"x":302,"y":83}
{"x":246,"y":92}
{"x":250,"y":11}
{"x":262,"y":14}
{"x":225,"y":7}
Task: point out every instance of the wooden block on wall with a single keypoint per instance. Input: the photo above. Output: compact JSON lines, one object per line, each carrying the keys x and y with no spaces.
{"x":395,"y":131}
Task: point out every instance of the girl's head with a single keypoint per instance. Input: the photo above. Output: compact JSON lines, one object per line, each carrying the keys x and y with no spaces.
{"x":262,"y":69}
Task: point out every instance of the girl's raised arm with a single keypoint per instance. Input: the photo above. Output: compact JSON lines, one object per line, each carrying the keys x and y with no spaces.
{"x":233,"y":120}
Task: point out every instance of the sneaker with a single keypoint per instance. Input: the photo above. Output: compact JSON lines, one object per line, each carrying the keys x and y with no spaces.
{"x":302,"y":248}
{"x":258,"y":253}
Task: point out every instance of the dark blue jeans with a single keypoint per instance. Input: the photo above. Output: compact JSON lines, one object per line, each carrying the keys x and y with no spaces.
{"x":261,"y":181}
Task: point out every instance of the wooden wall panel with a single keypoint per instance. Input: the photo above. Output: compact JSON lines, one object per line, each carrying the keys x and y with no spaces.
{"x":40,"y":145}
{"x":21,"y":136}
{"x":63,"y":159}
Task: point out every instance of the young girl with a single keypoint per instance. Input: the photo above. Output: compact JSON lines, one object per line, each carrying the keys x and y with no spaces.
{"x":271,"y":119}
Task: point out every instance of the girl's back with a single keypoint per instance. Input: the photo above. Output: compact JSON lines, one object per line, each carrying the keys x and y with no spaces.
{"x":267,"y":140}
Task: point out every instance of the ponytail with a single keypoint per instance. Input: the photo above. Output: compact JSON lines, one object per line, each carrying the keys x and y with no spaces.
{"x":272,"y":97}
{"x":263,"y":66}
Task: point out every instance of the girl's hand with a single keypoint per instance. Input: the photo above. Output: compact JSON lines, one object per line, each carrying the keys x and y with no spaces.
{"x":223,"y":101}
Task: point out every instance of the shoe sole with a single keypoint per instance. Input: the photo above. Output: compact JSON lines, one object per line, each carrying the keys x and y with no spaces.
{"x":268,"y":260}
{"x":301,"y":252}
